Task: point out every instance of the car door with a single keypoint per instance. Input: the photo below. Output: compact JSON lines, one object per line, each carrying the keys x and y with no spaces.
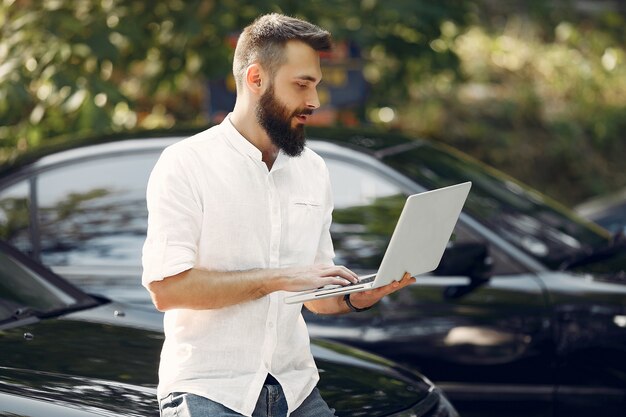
{"x":483,"y":338}
{"x":86,"y":219}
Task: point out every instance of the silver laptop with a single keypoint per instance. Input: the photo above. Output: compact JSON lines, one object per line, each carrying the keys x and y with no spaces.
{"x":416,"y":246}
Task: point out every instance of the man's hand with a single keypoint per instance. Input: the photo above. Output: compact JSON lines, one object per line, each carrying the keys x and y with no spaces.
{"x":316,"y":276}
{"x":363,"y":299}
{"x":368,"y":298}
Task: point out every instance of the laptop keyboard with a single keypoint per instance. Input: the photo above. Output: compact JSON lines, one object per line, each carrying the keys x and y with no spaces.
{"x":364,"y":280}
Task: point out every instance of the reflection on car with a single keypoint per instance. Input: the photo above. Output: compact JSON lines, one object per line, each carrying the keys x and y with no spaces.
{"x":607,"y":211}
{"x":526,"y":314}
{"x":66,"y":353}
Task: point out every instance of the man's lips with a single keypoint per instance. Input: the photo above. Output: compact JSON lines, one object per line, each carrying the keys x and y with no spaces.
{"x":304,"y":116}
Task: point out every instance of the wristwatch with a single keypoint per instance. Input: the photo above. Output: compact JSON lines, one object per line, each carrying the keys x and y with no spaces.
{"x":346,"y":298}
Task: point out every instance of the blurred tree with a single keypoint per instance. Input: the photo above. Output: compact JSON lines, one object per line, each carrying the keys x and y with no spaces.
{"x":542,"y":95}
{"x":535,"y":88}
{"x":74,"y":66}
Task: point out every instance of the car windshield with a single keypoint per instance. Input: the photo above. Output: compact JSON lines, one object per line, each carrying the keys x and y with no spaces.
{"x":525,"y":218}
{"x":25,"y":292}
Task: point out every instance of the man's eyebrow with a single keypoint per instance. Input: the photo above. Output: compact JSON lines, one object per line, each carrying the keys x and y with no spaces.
{"x":306,"y":78}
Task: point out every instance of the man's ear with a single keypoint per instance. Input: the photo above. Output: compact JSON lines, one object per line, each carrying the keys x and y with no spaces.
{"x":255,"y":78}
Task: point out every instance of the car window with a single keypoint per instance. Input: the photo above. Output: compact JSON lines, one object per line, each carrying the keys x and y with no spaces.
{"x":525,"y":218}
{"x":612,"y":219}
{"x":366,"y":209}
{"x":500,"y":262}
{"x":14,"y":216}
{"x":367,"y":206}
{"x":93,"y":213}
{"x":22,"y":288}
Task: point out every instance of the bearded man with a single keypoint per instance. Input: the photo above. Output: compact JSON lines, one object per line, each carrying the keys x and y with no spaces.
{"x":239,"y":217}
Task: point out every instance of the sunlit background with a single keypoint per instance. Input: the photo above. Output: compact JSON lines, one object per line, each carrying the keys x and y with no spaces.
{"x":535,"y":88}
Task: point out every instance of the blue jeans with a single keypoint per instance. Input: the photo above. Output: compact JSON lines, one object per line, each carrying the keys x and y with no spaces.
{"x":271,"y":403}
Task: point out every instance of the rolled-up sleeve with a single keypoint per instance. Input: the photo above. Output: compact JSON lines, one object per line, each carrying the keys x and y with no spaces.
{"x":174,"y":219}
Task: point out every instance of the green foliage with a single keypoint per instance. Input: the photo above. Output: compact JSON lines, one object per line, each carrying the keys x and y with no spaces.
{"x":544,"y":102}
{"x":75,"y":66}
{"x":15,"y":220}
{"x":72,"y":66}
{"x":535,"y":88}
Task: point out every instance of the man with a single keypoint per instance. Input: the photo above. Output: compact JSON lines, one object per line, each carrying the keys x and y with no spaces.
{"x":239,"y":215}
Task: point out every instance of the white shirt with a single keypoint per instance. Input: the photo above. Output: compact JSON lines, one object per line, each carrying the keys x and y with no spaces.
{"x":213,"y":204}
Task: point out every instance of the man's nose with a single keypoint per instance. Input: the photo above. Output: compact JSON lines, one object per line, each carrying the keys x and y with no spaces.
{"x":313,"y":100}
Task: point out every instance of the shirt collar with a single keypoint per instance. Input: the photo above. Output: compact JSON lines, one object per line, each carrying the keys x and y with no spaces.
{"x":281,"y":160}
{"x":243,"y":145}
{"x":239,"y":142}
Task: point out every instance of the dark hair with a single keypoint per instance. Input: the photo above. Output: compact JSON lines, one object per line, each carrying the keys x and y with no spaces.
{"x":264,"y":40}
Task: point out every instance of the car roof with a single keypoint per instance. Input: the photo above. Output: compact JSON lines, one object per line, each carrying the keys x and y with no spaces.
{"x":69,"y":147}
{"x":65,"y":148}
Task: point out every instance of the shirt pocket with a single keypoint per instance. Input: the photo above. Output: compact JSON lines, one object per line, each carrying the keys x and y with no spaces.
{"x":305,"y":219}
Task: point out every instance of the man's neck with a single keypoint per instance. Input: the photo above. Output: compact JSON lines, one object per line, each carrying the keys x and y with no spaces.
{"x":250,"y":129}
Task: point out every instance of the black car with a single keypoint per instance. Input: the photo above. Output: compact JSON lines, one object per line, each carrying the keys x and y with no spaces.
{"x":526,"y":314}
{"x":66,"y":353}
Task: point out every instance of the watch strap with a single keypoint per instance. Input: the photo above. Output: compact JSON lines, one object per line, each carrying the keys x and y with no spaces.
{"x":346,"y":298}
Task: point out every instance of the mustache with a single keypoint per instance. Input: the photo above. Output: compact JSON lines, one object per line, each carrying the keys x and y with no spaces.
{"x":303,"y":111}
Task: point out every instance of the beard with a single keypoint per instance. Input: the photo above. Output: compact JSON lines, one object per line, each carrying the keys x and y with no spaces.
{"x":275,"y":119}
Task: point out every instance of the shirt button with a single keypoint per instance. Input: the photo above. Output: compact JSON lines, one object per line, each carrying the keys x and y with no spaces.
{"x":270,"y":325}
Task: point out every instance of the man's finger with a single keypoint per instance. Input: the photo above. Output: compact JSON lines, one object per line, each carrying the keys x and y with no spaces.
{"x":343,"y":272}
